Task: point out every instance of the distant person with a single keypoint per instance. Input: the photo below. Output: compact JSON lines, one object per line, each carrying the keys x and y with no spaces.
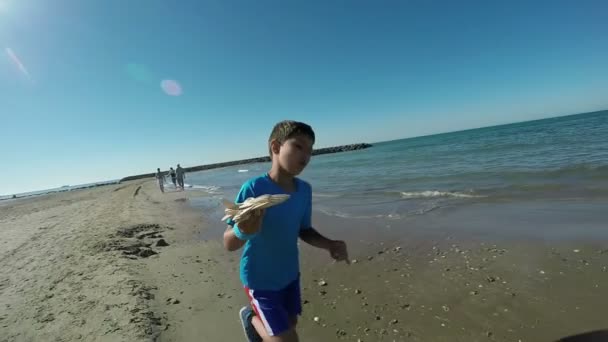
{"x":160,"y":177}
{"x":173,"y":177}
{"x":270,"y":270}
{"x":181,"y":174}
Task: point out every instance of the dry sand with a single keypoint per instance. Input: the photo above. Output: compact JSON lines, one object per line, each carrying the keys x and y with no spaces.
{"x":72,"y":267}
{"x":85,"y":265}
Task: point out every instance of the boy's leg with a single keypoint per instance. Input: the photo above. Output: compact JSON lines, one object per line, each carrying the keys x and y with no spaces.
{"x":272,"y":321}
{"x":246,"y":315}
{"x":286,"y":336}
{"x":293,"y":320}
{"x":293,"y":302}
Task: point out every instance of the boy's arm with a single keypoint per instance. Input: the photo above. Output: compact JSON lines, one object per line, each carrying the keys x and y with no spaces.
{"x":247,"y":230}
{"x":336,"y":248}
{"x":312,"y":237}
{"x":231,"y":242}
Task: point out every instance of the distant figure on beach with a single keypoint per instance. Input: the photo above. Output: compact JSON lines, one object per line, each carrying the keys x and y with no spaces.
{"x":160,"y":177}
{"x":181,"y":174}
{"x":173,"y":176}
{"x":270,"y":270}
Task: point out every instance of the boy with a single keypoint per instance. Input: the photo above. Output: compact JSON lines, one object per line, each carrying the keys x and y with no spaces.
{"x":269,"y":266}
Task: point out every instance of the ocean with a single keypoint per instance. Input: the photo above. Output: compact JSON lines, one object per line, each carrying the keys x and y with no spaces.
{"x":563,"y":158}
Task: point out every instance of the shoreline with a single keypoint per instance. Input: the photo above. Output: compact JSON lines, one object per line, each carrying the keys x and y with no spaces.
{"x":55,"y":190}
{"x":320,"y":151}
{"x":325,"y":150}
{"x":76,"y":265}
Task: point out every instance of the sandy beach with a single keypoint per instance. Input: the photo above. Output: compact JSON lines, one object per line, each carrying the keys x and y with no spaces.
{"x":127,"y":263}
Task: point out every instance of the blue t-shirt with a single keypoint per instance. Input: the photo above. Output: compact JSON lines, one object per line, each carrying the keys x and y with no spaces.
{"x":270,"y":259}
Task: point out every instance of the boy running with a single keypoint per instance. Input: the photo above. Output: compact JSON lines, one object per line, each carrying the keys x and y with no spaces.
{"x":269,"y":267}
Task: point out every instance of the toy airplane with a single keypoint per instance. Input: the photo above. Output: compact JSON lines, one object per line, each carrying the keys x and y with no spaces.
{"x":241,"y":211}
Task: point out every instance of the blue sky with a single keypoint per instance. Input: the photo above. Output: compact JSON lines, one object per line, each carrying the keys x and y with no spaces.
{"x":80,"y":81}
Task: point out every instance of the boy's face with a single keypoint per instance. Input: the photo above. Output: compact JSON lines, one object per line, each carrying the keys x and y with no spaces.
{"x":294,"y":154}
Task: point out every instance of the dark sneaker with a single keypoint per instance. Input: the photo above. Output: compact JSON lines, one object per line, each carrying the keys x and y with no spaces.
{"x":246,"y":314}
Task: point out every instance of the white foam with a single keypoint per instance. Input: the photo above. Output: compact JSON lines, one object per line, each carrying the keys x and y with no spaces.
{"x":434,"y":194}
{"x":342,"y":214}
{"x":212,"y":189}
{"x":391,"y":216}
{"x":324,"y":195}
{"x":243,"y":170}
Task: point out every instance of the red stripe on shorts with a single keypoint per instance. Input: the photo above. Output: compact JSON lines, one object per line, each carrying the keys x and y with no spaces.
{"x":248,"y":293}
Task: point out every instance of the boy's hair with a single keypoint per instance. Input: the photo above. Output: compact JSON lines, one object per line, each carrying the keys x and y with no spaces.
{"x":288,"y":129}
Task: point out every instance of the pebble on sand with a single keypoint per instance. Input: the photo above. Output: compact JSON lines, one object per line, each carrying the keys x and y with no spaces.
{"x":172,"y":301}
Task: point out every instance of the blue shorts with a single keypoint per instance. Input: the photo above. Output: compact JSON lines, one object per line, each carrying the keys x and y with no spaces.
{"x":276,"y":309}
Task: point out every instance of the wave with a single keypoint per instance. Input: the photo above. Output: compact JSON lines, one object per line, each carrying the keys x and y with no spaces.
{"x":338,"y":213}
{"x":580,"y":169}
{"x":212,"y":189}
{"x":391,"y":216}
{"x":583,"y":171}
{"x":243,"y":170}
{"x":342,"y":214}
{"x":435,"y":194}
{"x":567,"y":173}
{"x":324,"y":195}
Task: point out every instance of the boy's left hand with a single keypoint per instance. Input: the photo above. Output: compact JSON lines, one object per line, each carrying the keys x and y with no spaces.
{"x":338,"y":251}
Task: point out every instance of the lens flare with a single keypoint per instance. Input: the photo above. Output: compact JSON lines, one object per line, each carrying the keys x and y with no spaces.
{"x":171,"y":87}
{"x":13,"y":57}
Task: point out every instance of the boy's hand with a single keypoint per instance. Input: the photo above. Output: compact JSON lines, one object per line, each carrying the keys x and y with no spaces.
{"x":253,"y":223}
{"x":338,"y":251}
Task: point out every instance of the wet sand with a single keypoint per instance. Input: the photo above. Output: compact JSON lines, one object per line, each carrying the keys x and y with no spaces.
{"x":87,"y":265}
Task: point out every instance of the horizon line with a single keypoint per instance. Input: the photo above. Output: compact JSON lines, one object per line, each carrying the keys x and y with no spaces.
{"x":352,"y":143}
